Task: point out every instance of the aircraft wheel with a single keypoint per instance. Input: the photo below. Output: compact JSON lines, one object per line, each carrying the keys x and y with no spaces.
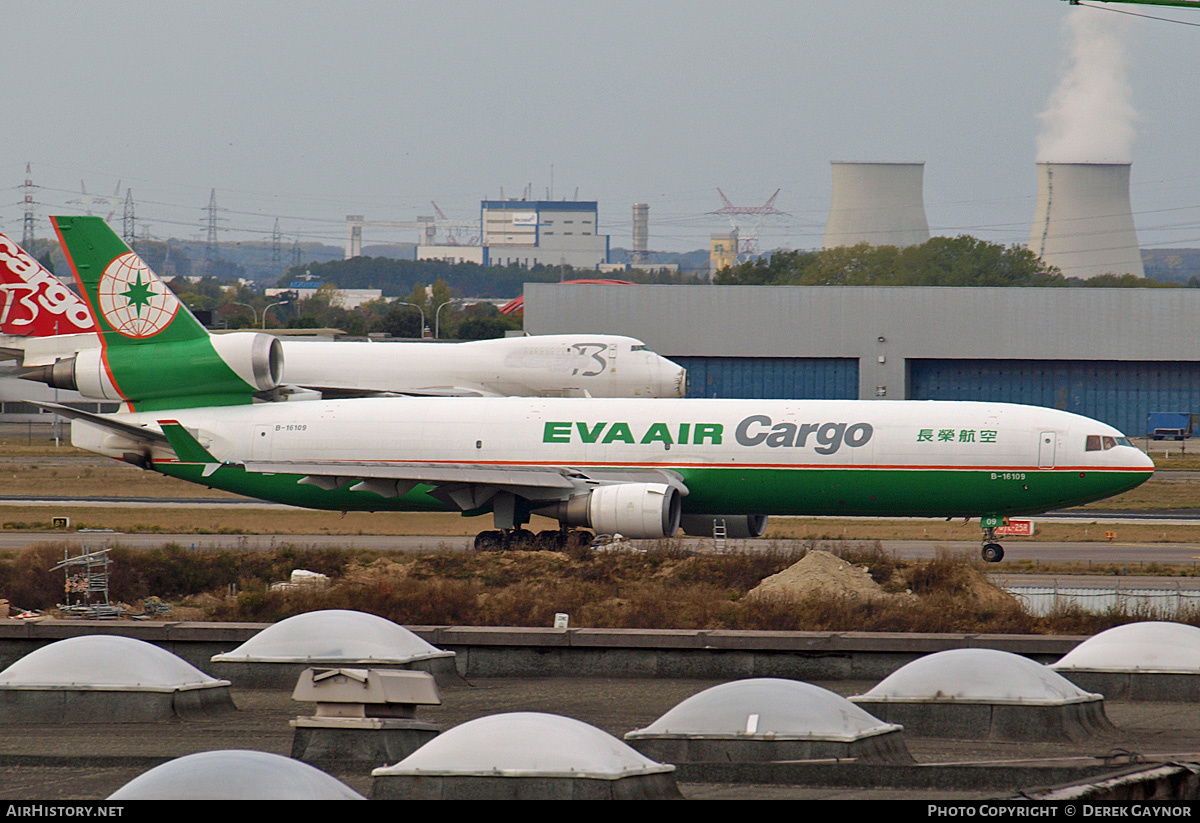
{"x":993,"y":553}
{"x":579,"y":539}
{"x":489,"y":541}
{"x":520,"y":540}
{"x":550,"y":540}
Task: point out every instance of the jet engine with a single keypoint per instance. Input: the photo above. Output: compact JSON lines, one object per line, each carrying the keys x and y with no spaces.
{"x":256,"y":358}
{"x":636,"y":510}
{"x":739,"y":526}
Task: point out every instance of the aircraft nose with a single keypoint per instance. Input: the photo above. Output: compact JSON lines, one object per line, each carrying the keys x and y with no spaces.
{"x":669,"y":379}
{"x":679,"y":379}
{"x":1143,"y":461}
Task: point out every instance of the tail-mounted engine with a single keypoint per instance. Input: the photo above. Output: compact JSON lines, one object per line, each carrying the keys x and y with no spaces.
{"x":224,"y":364}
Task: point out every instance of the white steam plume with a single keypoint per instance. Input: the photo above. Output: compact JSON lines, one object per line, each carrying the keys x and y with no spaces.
{"x":1089,"y":117}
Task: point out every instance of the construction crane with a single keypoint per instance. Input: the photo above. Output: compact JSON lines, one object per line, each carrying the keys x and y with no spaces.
{"x":450,"y":228}
{"x":89,"y":200}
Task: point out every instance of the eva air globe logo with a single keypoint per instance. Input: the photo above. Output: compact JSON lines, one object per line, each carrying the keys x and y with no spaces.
{"x":133,"y":301}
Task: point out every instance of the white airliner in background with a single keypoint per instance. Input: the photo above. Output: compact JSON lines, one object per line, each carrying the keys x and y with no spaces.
{"x":44,"y":323}
{"x":556,"y":365}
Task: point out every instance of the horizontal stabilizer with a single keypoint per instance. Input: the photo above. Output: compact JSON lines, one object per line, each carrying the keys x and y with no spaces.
{"x":148,"y":436}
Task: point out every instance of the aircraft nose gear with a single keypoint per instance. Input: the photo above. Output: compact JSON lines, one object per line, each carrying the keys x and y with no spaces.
{"x":992,"y":552}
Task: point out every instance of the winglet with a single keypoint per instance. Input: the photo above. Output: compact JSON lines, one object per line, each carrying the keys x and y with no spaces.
{"x":187,"y":447}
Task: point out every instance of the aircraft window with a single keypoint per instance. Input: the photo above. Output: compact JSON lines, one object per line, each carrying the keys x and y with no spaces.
{"x":1109,"y":442}
{"x":637,"y":348}
{"x":1124,"y":441}
{"x":1093,"y":442}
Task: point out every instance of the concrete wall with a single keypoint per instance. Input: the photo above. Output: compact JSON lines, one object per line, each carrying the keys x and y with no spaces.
{"x":518,"y":652}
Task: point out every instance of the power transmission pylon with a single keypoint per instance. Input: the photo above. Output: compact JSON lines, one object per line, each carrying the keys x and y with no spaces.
{"x":210,"y":246}
{"x":747,"y":237}
{"x":127,"y":223}
{"x":27,"y":228}
{"x":276,"y":246}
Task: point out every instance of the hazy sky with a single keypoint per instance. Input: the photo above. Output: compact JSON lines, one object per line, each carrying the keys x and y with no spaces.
{"x":309,"y":111}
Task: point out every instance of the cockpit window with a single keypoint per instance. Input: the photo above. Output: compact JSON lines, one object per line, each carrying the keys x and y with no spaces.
{"x":1097,"y":442}
{"x":637,"y":348}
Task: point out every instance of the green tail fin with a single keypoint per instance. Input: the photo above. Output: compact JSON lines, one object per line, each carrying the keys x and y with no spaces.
{"x":130,"y":304}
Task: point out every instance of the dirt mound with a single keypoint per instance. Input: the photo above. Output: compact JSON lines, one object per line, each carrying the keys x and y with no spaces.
{"x":821,"y":574}
{"x":986,"y":595}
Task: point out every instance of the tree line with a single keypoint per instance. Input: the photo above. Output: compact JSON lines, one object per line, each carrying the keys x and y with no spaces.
{"x":942,"y":261}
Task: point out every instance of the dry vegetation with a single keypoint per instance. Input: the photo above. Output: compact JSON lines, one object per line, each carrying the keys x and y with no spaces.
{"x":663,"y":588}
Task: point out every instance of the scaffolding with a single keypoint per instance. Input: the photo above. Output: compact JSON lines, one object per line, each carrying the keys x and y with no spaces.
{"x":86,"y":586}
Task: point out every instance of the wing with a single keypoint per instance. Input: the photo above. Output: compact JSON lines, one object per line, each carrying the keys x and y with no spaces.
{"x":464,"y":486}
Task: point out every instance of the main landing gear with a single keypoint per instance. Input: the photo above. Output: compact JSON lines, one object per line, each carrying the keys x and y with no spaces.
{"x":992,"y":551}
{"x":518,"y":539}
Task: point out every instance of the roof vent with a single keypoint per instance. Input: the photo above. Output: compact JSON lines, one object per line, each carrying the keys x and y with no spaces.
{"x":363,"y":715}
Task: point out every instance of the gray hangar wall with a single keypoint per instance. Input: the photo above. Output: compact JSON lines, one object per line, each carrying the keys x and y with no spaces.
{"x":1112,"y":354}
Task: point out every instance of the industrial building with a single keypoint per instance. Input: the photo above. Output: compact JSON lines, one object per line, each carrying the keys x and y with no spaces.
{"x":1115,"y":355}
{"x":528,"y":232}
{"x":722,"y":252}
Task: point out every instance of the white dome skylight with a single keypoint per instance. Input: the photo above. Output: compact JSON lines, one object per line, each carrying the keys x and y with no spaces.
{"x":977,"y":676}
{"x":235,"y":774}
{"x":526,"y":744}
{"x":1146,"y":647}
{"x":766,"y":708}
{"x":333,"y":636}
{"x":108,"y":662}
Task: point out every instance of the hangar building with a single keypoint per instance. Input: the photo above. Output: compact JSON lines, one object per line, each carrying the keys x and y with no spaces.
{"x":1115,"y":355}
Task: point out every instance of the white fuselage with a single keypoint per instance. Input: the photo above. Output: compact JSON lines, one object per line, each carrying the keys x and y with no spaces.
{"x":728,"y":457}
{"x":629,"y":432}
{"x":560,"y":365}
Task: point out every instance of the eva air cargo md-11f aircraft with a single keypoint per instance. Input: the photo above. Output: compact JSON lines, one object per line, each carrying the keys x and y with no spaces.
{"x":636,"y":467}
{"x":43,"y":322}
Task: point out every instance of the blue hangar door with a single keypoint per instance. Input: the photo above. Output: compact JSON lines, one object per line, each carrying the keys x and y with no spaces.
{"x":782,"y":378}
{"x":1119,"y":392}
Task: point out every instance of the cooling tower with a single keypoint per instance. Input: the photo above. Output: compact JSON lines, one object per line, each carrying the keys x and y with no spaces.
{"x":878,"y":203}
{"x":1084,"y":223}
